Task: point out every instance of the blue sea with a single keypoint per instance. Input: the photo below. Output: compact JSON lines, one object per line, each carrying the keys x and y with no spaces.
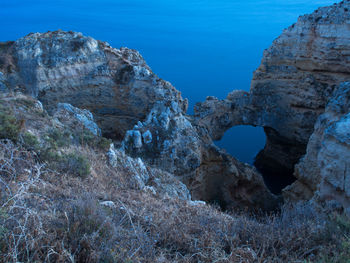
{"x":203,"y":47}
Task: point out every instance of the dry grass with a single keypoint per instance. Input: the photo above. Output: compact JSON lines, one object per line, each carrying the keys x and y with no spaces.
{"x":47,"y":216}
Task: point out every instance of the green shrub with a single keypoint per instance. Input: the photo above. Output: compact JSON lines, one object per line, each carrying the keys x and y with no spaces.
{"x":104,"y":143}
{"x":49,"y":155}
{"x":9,"y":126}
{"x":58,"y":139}
{"x":88,"y":138}
{"x":30,"y":141}
{"x":75,"y":163}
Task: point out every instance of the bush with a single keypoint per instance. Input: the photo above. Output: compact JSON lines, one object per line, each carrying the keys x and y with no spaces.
{"x":30,"y":141}
{"x":104,"y":143}
{"x":88,"y":138}
{"x":58,"y":139}
{"x":9,"y":126}
{"x":74,"y":163}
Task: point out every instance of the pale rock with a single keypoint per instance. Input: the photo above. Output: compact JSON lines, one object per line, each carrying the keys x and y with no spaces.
{"x":109,"y":204}
{"x":116,"y":85}
{"x":3,"y":87}
{"x":66,"y":112}
{"x":197,"y":203}
{"x":184,"y":149}
{"x":140,"y":111}
{"x":147,"y":137}
{"x":323,"y":173}
{"x":145,"y":178}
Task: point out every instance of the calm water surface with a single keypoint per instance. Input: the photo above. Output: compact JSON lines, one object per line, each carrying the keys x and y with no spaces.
{"x":203,"y":47}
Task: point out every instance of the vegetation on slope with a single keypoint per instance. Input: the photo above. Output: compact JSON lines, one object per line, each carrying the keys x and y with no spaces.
{"x":86,"y":211}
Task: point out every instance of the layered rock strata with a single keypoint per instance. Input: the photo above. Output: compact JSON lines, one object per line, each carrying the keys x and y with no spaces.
{"x":290,"y":89}
{"x":116,"y":85}
{"x":323,"y":173}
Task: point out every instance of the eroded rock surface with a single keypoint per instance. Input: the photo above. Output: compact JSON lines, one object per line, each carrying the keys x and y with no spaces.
{"x":290,"y":89}
{"x":75,"y":116}
{"x":170,"y":140}
{"x":323,"y":173}
{"x":133,"y":106}
{"x":116,"y":85}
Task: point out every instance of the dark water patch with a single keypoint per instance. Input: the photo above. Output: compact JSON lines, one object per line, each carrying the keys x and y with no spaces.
{"x":243,"y":142}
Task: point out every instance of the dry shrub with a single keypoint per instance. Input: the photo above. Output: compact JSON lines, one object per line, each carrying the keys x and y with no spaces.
{"x":50,"y":217}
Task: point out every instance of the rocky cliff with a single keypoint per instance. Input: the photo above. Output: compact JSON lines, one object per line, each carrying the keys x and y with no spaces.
{"x":144,"y":115}
{"x":116,"y":85}
{"x":323,"y":173}
{"x":289,"y":90}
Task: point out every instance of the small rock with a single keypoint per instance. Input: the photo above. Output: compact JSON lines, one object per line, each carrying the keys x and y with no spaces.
{"x":147,"y":137}
{"x":109,"y":204}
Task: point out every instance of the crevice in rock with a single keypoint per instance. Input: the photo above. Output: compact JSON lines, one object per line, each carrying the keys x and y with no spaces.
{"x":276,"y":176}
{"x":277,"y":160}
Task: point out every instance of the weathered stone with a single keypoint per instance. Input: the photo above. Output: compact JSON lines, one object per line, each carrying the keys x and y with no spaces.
{"x":131,"y":104}
{"x":148,"y":179}
{"x":186,"y":150}
{"x":66,"y":112}
{"x":290,"y":89}
{"x":323,"y":172}
{"x":116,"y":85}
{"x":3,"y":87}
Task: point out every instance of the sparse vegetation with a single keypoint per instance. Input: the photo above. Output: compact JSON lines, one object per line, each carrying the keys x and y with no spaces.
{"x":85,"y":137}
{"x":50,"y":218}
{"x":30,"y":141}
{"x":74,"y":163}
{"x":57,"y":138}
{"x":9,"y":125}
{"x":52,"y":182}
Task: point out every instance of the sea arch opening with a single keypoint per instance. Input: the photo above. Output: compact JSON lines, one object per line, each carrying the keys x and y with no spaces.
{"x":247,"y":144}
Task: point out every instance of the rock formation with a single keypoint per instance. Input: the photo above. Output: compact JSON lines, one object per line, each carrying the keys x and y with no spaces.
{"x":290,"y":89}
{"x":146,"y":116}
{"x":169,"y":140}
{"x":142,"y":113}
{"x":116,"y":85}
{"x":323,"y":173}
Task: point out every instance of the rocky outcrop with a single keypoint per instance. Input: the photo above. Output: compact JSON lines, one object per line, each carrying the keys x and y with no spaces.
{"x":290,"y":89}
{"x":169,"y":140}
{"x":142,"y":113}
{"x":323,"y":173}
{"x":75,"y":116}
{"x":116,"y":85}
{"x":53,"y":137}
{"x":152,"y":180}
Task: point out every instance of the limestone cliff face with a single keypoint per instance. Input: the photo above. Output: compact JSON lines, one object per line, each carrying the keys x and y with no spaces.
{"x":291,"y":87}
{"x":323,"y":173}
{"x":116,"y":85}
{"x":170,"y":140}
{"x":143,"y":113}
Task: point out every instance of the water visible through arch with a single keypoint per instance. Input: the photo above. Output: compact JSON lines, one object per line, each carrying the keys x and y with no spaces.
{"x":243,"y":142}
